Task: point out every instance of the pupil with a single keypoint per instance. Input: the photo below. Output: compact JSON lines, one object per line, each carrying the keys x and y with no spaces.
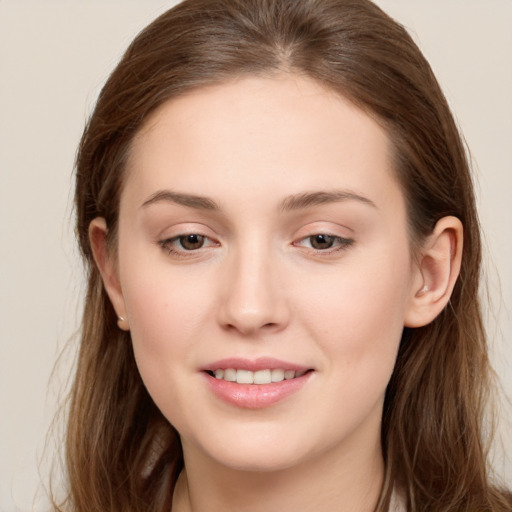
{"x":192,"y":241}
{"x":322,"y":241}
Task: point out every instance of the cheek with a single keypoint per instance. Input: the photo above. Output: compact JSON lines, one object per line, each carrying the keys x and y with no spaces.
{"x":166,"y":310}
{"x":162,"y":300}
{"x":165,"y":317}
{"x":358,"y":315}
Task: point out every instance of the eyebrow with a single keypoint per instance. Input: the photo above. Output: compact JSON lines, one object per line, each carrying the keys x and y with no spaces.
{"x":309,"y":199}
{"x":294,"y":202}
{"x":190,"y":200}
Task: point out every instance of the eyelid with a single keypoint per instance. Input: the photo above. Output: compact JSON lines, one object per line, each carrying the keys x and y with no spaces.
{"x":324,"y":227}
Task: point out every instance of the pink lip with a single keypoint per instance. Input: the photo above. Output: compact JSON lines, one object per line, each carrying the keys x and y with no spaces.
{"x":261,"y":363}
{"x":254,"y":396}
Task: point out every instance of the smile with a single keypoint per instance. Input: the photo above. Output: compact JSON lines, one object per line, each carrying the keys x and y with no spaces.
{"x":255,"y":384}
{"x":265,"y":376}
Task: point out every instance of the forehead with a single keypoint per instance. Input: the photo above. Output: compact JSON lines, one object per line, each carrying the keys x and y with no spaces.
{"x":286,"y":133}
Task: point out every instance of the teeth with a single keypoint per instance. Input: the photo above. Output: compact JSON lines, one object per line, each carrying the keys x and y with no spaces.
{"x":230,"y":375}
{"x":258,"y":377}
{"x":277,"y":375}
{"x":244,"y":377}
{"x":289,"y":374}
{"x":262,"y":377}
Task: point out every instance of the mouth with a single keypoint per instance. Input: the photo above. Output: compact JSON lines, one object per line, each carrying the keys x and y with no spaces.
{"x":255,"y":383}
{"x":264,"y":376}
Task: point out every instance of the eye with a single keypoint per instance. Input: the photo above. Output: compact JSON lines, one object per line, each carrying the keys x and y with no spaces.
{"x":186,"y":243}
{"x":191,"y":241}
{"x":324,"y":242}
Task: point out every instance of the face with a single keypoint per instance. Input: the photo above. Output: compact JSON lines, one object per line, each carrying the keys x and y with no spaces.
{"x":265,"y":271}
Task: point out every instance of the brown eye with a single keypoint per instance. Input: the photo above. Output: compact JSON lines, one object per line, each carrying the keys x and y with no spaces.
{"x":321,"y":241}
{"x":191,"y":241}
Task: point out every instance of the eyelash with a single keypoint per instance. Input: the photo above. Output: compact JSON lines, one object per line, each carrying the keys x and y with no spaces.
{"x":169,"y":244}
{"x":341,"y":243}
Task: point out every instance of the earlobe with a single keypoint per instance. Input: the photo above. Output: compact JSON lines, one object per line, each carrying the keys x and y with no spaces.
{"x":108,"y":269}
{"x":437,"y":272}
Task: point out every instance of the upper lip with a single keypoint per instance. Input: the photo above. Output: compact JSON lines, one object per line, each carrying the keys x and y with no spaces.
{"x":261,"y":363}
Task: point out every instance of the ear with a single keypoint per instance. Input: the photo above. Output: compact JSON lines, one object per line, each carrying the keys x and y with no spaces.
{"x":107,"y":266}
{"x":437,"y":270}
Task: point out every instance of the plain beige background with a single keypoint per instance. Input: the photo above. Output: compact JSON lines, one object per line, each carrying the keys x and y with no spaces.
{"x":54,"y":56}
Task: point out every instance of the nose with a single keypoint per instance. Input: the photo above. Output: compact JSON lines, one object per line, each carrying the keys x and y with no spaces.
{"x":253,"y":298}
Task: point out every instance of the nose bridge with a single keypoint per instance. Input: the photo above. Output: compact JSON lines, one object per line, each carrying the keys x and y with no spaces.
{"x":253,"y":298}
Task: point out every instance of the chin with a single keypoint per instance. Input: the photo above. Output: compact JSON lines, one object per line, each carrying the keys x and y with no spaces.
{"x":258,"y":460}
{"x":258,"y":451}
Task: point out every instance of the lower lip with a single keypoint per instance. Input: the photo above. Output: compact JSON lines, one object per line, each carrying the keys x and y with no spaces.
{"x":255,"y":396}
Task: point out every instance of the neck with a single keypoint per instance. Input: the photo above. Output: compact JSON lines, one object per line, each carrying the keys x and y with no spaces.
{"x":339,"y":480}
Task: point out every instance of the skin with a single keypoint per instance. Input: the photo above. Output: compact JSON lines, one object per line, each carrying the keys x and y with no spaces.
{"x":258,"y":287}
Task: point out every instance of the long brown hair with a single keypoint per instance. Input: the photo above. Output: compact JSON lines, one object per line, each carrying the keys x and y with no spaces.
{"x":121,"y":452}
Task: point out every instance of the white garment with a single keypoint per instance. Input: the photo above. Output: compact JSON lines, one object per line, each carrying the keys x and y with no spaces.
{"x":396,"y":503}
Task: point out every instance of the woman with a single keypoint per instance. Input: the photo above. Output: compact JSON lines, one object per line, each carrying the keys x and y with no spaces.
{"x":278,"y":220}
